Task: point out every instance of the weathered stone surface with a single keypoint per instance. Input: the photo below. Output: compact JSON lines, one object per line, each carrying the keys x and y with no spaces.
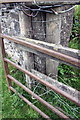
{"x":10,"y":25}
{"x":39,"y":33}
{"x":66,"y":26}
{"x":53,"y":29}
{"x":25,"y":27}
{"x":71,"y":91}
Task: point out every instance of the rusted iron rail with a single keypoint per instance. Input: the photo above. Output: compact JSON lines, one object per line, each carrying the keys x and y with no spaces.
{"x":5,"y":63}
{"x":64,"y":94}
{"x":10,"y":85}
{"x":52,"y":53}
{"x":30,"y":104}
{"x":59,"y":48}
{"x":60,"y":114}
{"x":57,"y":90}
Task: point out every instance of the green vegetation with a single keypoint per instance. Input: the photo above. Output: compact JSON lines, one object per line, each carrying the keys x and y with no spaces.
{"x":14,"y":107}
{"x":70,"y":75}
{"x":0,"y":88}
{"x":67,"y":74}
{"x":75,"y":37}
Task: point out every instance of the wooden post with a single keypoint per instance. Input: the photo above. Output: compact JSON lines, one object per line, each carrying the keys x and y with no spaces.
{"x":53,"y":29}
{"x":25,"y":27}
{"x":39,"y":34}
{"x":6,"y":70}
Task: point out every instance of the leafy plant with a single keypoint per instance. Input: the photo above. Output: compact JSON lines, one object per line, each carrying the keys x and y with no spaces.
{"x":14,"y":107}
{"x":75,"y":36}
{"x":69,"y":76}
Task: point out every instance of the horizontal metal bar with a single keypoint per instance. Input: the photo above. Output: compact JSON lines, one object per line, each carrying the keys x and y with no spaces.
{"x":30,"y":104}
{"x":68,"y":89}
{"x":49,"y":52}
{"x":60,"y":114}
{"x":47,"y":84}
{"x":10,"y":1}
{"x":59,"y":48}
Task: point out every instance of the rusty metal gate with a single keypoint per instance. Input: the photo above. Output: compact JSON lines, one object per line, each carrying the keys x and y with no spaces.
{"x":48,"y":53}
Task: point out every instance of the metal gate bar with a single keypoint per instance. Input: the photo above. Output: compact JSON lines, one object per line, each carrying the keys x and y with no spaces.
{"x":10,"y":79}
{"x":52,"y":53}
{"x":10,"y":87}
{"x":60,"y":114}
{"x":4,"y":62}
{"x":64,"y":94}
{"x":30,"y":104}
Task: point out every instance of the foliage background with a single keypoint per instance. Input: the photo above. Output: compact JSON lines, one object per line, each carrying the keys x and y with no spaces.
{"x":13,"y":107}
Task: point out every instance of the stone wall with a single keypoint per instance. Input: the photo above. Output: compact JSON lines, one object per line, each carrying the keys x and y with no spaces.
{"x":66,"y":25}
{"x":10,"y":26}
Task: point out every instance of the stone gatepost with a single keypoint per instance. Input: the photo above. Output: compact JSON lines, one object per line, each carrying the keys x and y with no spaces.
{"x":25,"y":28}
{"x":45,"y":27}
{"x":53,"y":29}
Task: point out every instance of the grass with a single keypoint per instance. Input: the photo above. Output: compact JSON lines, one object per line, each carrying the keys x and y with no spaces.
{"x":68,"y":74}
{"x":14,"y":107}
{"x":75,"y":37}
{"x":0,"y":88}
